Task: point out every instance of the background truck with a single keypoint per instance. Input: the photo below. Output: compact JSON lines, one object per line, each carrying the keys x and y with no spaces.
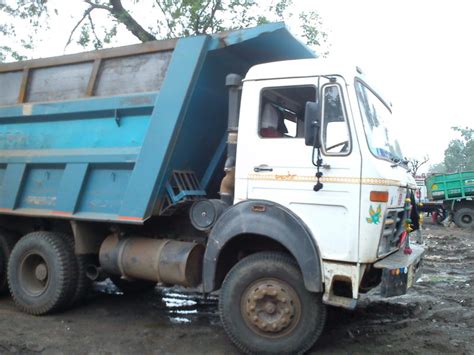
{"x":456,"y":192}
{"x":156,"y":163}
{"x":433,"y":208}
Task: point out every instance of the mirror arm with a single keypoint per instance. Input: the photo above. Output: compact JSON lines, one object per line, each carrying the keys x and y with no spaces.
{"x":319,"y":163}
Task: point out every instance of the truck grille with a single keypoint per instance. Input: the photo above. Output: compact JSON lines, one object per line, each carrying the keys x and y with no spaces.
{"x":391,"y":230}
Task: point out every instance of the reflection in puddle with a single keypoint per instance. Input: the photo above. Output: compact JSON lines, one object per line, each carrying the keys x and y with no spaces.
{"x":179,"y":320}
{"x":188,"y":307}
{"x":175,"y":302}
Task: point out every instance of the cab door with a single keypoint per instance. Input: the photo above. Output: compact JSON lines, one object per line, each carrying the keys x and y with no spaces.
{"x":273,"y":162}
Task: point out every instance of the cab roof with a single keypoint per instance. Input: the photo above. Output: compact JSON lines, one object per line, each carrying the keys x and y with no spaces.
{"x":302,"y":68}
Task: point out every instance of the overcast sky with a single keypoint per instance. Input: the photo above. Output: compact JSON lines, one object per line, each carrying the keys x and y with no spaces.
{"x":419,"y":53}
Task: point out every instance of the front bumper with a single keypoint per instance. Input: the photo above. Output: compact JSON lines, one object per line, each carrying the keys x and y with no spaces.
{"x":400,"y":271}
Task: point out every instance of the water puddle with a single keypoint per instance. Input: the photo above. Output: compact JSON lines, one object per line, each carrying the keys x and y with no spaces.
{"x":176,"y":304}
{"x":107,"y":287}
{"x":443,"y":277}
{"x":444,"y":258}
{"x":185,"y":307}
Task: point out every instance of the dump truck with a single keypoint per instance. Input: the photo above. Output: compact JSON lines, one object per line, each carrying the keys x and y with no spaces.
{"x":238,"y":163}
{"x":455,"y":192}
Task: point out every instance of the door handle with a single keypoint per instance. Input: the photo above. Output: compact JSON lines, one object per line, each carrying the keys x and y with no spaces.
{"x":261,"y":168}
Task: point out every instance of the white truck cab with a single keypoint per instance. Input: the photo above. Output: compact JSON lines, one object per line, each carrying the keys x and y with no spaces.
{"x":357,"y":217}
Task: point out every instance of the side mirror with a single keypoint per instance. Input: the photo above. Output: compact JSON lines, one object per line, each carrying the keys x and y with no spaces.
{"x":312,"y":124}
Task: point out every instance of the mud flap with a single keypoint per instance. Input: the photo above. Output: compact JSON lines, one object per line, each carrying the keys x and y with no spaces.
{"x":400,"y":271}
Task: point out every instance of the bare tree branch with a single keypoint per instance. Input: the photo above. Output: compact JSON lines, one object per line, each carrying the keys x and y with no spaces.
{"x":170,"y":27}
{"x":415,"y":164}
{"x":210,"y":23}
{"x":123,"y":16}
{"x":197,"y":23}
{"x":86,"y":13}
{"x":98,"y":43}
{"x":98,"y":6}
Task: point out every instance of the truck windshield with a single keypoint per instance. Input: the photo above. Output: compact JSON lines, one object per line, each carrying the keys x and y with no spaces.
{"x":378,"y":125}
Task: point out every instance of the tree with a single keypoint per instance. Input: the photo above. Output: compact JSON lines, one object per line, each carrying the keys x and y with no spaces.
{"x":459,"y":156}
{"x":102,"y":20}
{"x":415,"y":164}
{"x":437,"y":168}
{"x":34,"y":11}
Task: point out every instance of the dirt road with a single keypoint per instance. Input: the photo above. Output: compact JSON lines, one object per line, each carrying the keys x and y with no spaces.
{"x":436,"y":316}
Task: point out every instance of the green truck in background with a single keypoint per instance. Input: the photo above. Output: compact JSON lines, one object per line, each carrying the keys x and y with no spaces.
{"x":457,"y":193}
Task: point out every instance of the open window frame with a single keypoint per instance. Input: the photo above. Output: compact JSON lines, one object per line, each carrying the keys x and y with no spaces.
{"x":324,"y":123}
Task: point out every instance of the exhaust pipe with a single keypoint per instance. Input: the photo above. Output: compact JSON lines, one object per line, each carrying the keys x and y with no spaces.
{"x":95,"y":273}
{"x":158,"y":260}
{"x":233,"y":82}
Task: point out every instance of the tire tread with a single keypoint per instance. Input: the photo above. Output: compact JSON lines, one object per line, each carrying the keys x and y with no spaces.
{"x":459,"y":213}
{"x":7,"y":243}
{"x":270,"y":257}
{"x":67,"y":272}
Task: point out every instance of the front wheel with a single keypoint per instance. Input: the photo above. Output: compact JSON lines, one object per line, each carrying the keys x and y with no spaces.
{"x":265,"y":307}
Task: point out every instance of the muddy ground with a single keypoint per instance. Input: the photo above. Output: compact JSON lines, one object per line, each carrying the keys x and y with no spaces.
{"x":436,"y":316}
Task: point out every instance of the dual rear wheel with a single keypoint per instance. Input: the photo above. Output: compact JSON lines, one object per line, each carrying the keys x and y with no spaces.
{"x":42,"y":273}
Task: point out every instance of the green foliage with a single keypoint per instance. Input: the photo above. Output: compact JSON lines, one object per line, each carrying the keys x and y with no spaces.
{"x":6,"y":51}
{"x":33,"y":10}
{"x":311,"y":24}
{"x":166,"y":19}
{"x":466,"y":133}
{"x":35,"y":13}
{"x":459,"y":156}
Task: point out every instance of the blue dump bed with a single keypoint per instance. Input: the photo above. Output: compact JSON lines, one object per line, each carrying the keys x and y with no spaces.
{"x":127,"y":133}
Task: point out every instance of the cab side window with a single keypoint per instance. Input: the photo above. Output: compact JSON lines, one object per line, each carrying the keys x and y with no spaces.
{"x":282,"y":111}
{"x":335,"y":130}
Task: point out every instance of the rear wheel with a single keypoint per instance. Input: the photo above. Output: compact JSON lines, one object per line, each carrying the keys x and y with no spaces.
{"x":42,"y":273}
{"x":83,"y":283}
{"x":265,"y":307}
{"x":7,"y":242}
{"x":464,"y":218}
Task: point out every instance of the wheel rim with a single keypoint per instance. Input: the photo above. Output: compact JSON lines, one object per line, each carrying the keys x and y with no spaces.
{"x":271,"y":308}
{"x":34,"y":274}
{"x":466,"y":218}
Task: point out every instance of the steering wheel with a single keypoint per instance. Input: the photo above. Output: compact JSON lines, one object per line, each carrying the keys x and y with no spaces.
{"x":345,"y":144}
